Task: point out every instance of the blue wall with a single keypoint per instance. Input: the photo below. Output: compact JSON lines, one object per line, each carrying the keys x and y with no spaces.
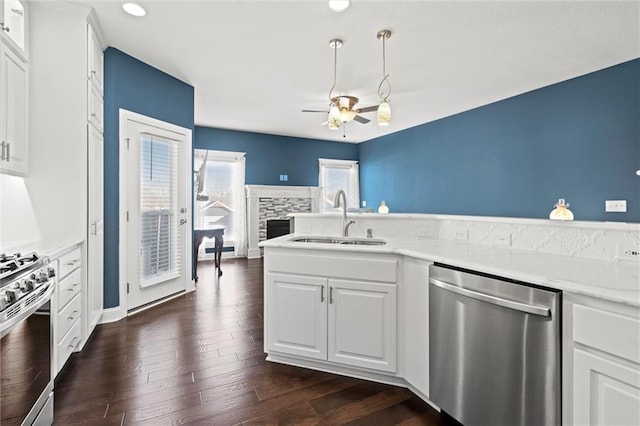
{"x":270,"y":156}
{"x":138,"y":87}
{"x":578,"y":140}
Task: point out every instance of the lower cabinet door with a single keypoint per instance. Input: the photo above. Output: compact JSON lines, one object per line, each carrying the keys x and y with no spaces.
{"x":605,"y":392}
{"x":296,"y":313}
{"x":362,"y":324}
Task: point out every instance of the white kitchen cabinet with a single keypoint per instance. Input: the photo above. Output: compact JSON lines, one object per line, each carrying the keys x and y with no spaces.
{"x":362,"y":324}
{"x":602,"y":359}
{"x":95,"y":59}
{"x":65,"y":128}
{"x":350,"y":321}
{"x":13,"y":25}
{"x":67,"y":317}
{"x":297,"y":322}
{"x":13,"y":112}
{"x":413,"y":327}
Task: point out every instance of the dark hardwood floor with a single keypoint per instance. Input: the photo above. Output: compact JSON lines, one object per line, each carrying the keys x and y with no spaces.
{"x":199,"y":359}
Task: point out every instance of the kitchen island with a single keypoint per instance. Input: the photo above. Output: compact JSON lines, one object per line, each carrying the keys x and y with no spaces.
{"x":362,"y":311}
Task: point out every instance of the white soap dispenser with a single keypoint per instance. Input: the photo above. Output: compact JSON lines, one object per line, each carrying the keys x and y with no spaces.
{"x":383,"y":207}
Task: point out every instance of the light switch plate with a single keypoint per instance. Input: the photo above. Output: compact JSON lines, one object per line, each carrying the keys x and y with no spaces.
{"x":619,"y":206}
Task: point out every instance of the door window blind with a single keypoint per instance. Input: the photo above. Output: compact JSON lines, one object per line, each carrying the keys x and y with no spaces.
{"x":159,"y":244}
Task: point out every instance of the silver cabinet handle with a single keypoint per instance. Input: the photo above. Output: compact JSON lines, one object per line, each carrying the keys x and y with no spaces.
{"x":182,"y":221}
{"x":2,"y":155}
{"x":2,"y":26}
{"x":330,"y":295}
{"x":73,"y":343}
{"x":8,"y":145}
{"x":73,"y":262}
{"x":322,"y":294}
{"x":505,"y":303}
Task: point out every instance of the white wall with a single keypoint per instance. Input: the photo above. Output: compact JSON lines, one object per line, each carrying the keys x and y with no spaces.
{"x":17,"y":220}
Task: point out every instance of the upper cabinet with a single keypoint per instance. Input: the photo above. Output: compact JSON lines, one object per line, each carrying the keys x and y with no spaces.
{"x":95,"y":60}
{"x":13,"y":25}
{"x":14,"y":79}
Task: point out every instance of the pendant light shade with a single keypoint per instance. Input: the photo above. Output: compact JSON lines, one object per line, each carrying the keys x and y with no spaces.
{"x":384,"y":109}
{"x":384,"y":113}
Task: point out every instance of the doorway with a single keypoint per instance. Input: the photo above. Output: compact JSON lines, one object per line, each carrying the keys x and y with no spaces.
{"x":155,"y":194}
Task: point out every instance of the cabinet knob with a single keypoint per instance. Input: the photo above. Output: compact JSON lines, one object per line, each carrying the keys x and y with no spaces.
{"x":3,"y":27}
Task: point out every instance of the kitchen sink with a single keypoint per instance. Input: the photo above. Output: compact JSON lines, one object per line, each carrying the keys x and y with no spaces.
{"x":340,"y":240}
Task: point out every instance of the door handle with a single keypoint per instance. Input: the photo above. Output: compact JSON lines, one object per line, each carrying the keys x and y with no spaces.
{"x":182,"y":221}
{"x":322,"y":294}
{"x":505,"y":303}
{"x":330,"y":295}
{"x":94,"y":228}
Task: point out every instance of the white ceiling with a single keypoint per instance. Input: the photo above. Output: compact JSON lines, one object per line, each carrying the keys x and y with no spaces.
{"x":255,"y":64}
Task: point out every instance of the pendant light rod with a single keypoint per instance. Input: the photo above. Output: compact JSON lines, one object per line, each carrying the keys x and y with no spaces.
{"x":384,"y":35}
{"x":335,"y":44}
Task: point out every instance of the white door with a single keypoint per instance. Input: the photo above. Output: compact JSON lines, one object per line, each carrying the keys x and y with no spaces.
{"x":157,"y":220}
{"x":297,"y":315}
{"x":362,"y":324}
{"x":95,"y":241}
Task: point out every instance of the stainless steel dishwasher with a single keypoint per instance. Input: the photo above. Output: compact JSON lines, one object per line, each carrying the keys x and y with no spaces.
{"x":494,"y":349}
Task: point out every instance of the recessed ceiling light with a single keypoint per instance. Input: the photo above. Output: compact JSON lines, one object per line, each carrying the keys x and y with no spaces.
{"x":338,"y":5}
{"x":134,"y":9}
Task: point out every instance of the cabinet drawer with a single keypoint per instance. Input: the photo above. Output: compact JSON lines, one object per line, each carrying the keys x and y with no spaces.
{"x":68,"y":344}
{"x":67,"y":317}
{"x":69,"y":262}
{"x":68,"y":288}
{"x":610,"y":332}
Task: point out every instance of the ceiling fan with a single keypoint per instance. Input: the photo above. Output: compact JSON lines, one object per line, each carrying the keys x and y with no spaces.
{"x":342,"y":108}
{"x":346,"y":110}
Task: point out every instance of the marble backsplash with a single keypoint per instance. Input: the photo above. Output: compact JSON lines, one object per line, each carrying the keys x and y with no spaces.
{"x":608,"y":241}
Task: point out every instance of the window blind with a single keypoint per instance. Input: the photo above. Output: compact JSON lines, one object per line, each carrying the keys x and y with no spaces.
{"x":159,"y":241}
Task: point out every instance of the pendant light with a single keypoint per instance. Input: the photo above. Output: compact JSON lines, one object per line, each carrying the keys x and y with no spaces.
{"x":384,"y":109}
{"x":333,"y":119}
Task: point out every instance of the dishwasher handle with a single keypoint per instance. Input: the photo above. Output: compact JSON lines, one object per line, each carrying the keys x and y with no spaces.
{"x":523,"y":307}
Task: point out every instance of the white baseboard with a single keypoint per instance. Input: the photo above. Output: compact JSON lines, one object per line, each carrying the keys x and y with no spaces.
{"x":110,"y":315}
{"x":254,"y":253}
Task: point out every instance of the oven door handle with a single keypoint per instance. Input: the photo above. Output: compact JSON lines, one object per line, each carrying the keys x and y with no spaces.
{"x":505,"y":303}
{"x":30,"y":310}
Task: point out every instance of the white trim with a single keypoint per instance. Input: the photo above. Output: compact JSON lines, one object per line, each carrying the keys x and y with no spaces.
{"x":124,"y":116}
{"x":110,"y":315}
{"x":214,"y":155}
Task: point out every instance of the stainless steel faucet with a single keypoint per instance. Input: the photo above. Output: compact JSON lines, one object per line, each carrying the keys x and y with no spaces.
{"x":336,"y":204}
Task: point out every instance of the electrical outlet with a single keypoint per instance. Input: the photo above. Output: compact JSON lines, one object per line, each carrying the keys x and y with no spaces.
{"x":615,"y":206}
{"x":628,"y":251}
{"x":502,"y":239}
{"x":364,"y":203}
{"x":461,"y":235}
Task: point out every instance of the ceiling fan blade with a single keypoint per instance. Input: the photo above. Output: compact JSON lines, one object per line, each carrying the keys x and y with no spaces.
{"x":369,"y":108}
{"x":361,"y":119}
{"x":314,"y":110}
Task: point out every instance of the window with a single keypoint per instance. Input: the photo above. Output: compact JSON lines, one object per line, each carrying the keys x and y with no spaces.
{"x":222,"y":200}
{"x":336,"y":175}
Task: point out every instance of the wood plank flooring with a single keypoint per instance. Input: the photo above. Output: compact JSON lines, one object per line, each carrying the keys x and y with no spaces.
{"x":199,"y":359}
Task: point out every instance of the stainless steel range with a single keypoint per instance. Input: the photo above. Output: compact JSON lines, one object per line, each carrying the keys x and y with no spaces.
{"x":27,"y":283}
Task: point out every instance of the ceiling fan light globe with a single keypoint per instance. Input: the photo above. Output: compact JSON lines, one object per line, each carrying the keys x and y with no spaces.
{"x":347,"y":115}
{"x":333,"y":119}
{"x":384,"y":113}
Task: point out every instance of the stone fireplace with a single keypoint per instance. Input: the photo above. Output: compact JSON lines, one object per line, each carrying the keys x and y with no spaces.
{"x":266,"y":202}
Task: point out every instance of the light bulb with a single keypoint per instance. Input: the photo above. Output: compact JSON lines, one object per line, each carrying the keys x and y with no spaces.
{"x":134,"y":9}
{"x":384,"y":113}
{"x":338,"y":5}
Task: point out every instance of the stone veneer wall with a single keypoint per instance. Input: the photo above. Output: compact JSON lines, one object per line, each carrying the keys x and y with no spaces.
{"x":279,"y":208}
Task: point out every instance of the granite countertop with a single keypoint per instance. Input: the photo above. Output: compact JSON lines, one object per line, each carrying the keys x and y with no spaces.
{"x":613,"y":281}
